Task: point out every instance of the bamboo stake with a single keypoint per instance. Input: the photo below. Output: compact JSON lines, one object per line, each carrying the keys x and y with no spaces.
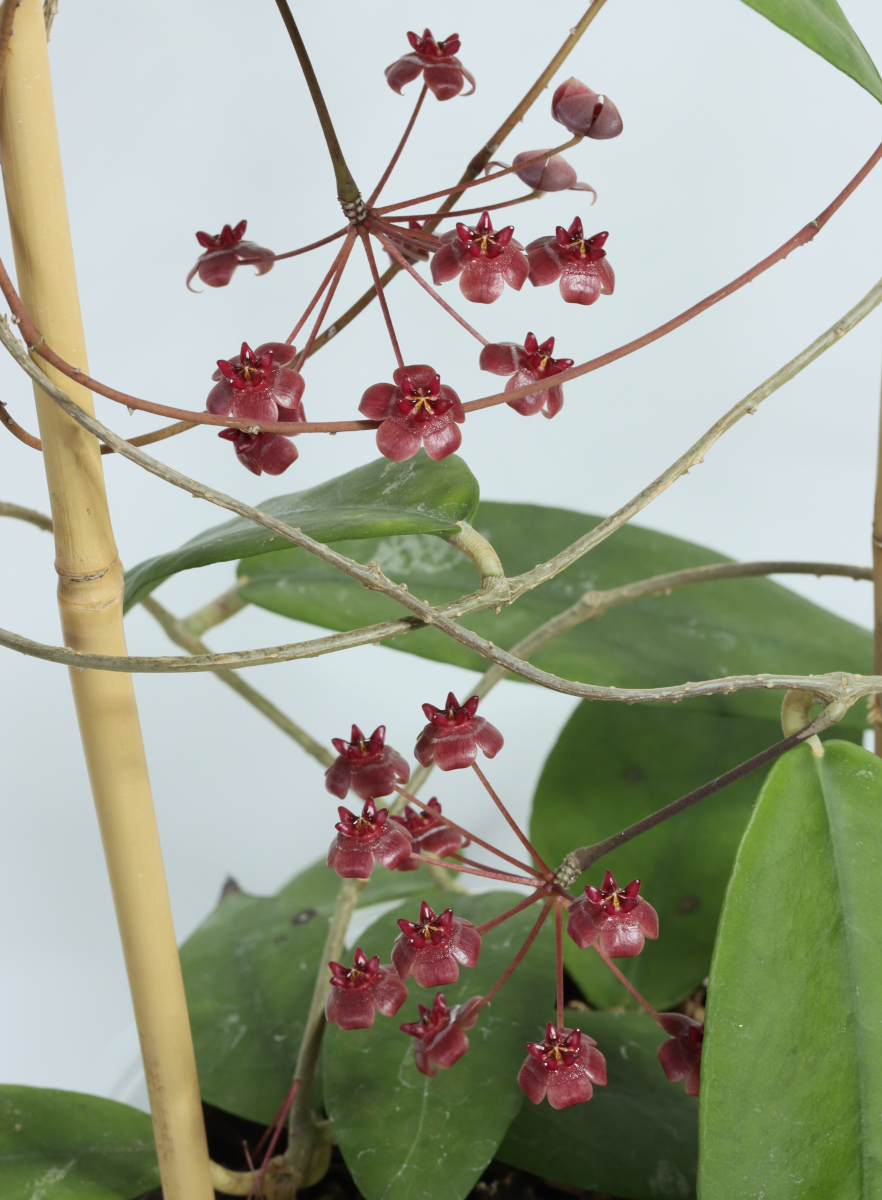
{"x":90,"y":594}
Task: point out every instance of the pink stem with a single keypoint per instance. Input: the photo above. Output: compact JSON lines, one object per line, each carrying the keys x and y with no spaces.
{"x":558,"y":960}
{"x":324,"y":283}
{"x":390,"y":248}
{"x":483,"y":866}
{"x":515,"y":862}
{"x":372,"y":263}
{"x":289,"y":1100}
{"x":625,"y":982}
{"x":343,"y":258}
{"x":439,"y":862}
{"x":464,"y":212}
{"x":332,"y":237}
{"x":494,"y":921}
{"x":395,"y":157}
{"x":525,"y":841}
{"x":506,"y":974}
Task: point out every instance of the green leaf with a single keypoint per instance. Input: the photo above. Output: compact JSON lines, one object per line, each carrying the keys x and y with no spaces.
{"x":791,"y":1088}
{"x":249,"y":971}
{"x":713,"y":629}
{"x":405,"y":1136}
{"x":636,"y":1137}
{"x":66,"y":1146}
{"x":380,"y":499}
{"x":613,"y":765}
{"x":823,"y":27}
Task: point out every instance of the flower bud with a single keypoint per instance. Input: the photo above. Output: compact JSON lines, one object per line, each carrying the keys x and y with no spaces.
{"x":581,"y":110}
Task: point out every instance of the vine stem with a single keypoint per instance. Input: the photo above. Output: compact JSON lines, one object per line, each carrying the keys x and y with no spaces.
{"x":90,"y":596}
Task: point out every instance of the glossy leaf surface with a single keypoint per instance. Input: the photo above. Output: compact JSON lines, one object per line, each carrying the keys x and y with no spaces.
{"x":702,"y":632}
{"x":249,"y":971}
{"x":636,"y":1137}
{"x":823,"y":27}
{"x":380,"y":499}
{"x":58,"y":1145}
{"x":791,"y":1088}
{"x":405,"y":1136}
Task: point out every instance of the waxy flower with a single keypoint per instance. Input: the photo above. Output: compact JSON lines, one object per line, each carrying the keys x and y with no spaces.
{"x":357,"y":992}
{"x":431,"y":948}
{"x":583,"y":112}
{"x":417,"y":409}
{"x":681,"y":1056}
{"x":444,"y":74}
{"x":453,"y":735}
{"x":439,"y":1033}
{"x":620,"y":917}
{"x":563,"y":1068}
{"x":367,"y":765}
{"x":428,"y":833}
{"x":484,"y":260}
{"x":258,"y":385}
{"x":579,"y":263}
{"x":272,"y":453}
{"x":225,"y":252}
{"x":365,"y":840}
{"x":551,"y":173}
{"x":527,"y":364}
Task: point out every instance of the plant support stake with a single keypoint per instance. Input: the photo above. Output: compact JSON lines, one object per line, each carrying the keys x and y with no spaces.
{"x":90,"y":596}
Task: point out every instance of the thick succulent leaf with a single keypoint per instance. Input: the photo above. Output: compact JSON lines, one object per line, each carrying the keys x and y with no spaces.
{"x":66,"y":1146}
{"x":823,"y":27}
{"x":381,"y":499}
{"x":613,"y":765}
{"x":637,"y":1136}
{"x":408,"y":1137}
{"x":791,"y":1089}
{"x":703,"y":632}
{"x":249,"y":971}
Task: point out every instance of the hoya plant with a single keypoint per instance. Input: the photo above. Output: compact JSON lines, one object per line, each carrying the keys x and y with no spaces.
{"x":665,"y":982}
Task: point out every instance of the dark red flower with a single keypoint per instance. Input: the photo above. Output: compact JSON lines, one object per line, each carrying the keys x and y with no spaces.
{"x":579,"y":263}
{"x":367,"y":765}
{"x":620,"y":917}
{"x":225,"y":252}
{"x":258,"y":385}
{"x":272,"y":453}
{"x":582,"y":111}
{"x":563,"y":1068}
{"x":681,"y":1056}
{"x":444,"y":74}
{"x":362,"y":841}
{"x":549,"y":174}
{"x":417,"y":409}
{"x":428,"y":833}
{"x":527,"y":364}
{"x":355,"y":993}
{"x":432,"y":948}
{"x":440,"y":1040}
{"x":453,"y":735}
{"x":484,"y":260}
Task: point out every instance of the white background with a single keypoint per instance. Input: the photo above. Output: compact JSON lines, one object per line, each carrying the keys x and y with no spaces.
{"x":182,"y":116}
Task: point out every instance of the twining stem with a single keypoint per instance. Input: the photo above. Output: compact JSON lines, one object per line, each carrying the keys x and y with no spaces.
{"x":90,"y":595}
{"x":509,"y":970}
{"x":156,"y":435}
{"x":558,"y":959}
{"x":512,"y":823}
{"x":625,"y":981}
{"x":17,"y":431}
{"x":580,"y":860}
{"x":462,"y":187}
{"x":333,"y":273}
{"x":181,"y":635}
{"x":375,"y":275}
{"x":395,"y":157}
{"x":26,"y":514}
{"x":875,"y":711}
{"x":465,"y":833}
{"x":525,"y":903}
{"x":347,"y":191}
{"x":391,"y":249}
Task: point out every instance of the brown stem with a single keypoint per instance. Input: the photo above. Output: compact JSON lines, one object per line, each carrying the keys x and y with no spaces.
{"x":460,"y":858}
{"x":332,"y":237}
{"x":395,"y":157}
{"x":340,"y":266}
{"x":512,"y":823}
{"x":509,"y":970}
{"x":347,"y":191}
{"x":26,"y":514}
{"x":486,"y":873}
{"x":158,"y":435}
{"x":378,"y":285}
{"x":625,"y":981}
{"x":332,"y":272}
{"x":16,"y":430}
